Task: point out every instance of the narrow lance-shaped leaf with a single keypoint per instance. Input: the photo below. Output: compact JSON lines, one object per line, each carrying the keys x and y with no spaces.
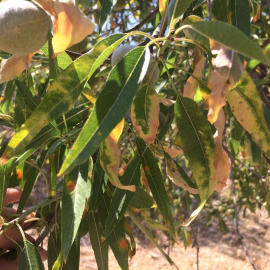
{"x":105,"y":12}
{"x":246,"y":105}
{"x":100,"y":249}
{"x":116,"y":239}
{"x":156,"y":182}
{"x":163,"y":5}
{"x":145,"y":113}
{"x":111,"y":106}
{"x":232,"y":38}
{"x":76,"y":190}
{"x":63,"y":93}
{"x":198,"y":145}
{"x":122,"y":198}
{"x":110,"y":156}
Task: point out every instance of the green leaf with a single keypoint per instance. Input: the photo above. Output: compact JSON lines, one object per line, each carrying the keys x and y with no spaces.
{"x":220,"y":10}
{"x":73,"y":259}
{"x":121,"y":198}
{"x":198,"y":145}
{"x":31,"y":178}
{"x":141,"y":199}
{"x":116,"y":239}
{"x":30,"y":258}
{"x":241,"y":15}
{"x":100,"y":249}
{"x":105,"y":13}
{"x":191,"y":34}
{"x":149,"y":235}
{"x":111,"y":106}
{"x":246,"y":105}
{"x":232,"y":38}
{"x":145,"y":113}
{"x":54,"y":247}
{"x":156,"y":182}
{"x":236,"y":133}
{"x":99,"y":186}
{"x":76,"y":190}
{"x":63,"y":93}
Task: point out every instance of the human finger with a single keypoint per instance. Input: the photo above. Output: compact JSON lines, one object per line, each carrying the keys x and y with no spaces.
{"x":12,"y":195}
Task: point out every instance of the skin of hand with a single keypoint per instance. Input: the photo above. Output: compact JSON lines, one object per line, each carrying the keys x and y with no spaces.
{"x":13,"y":195}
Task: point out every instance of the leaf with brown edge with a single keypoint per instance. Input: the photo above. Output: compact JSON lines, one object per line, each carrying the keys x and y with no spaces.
{"x":70,"y":26}
{"x":14,"y":66}
{"x":177,"y":178}
{"x":228,"y":71}
{"x":110,"y":156}
{"x":246,"y":105}
{"x":145,"y":113}
{"x":222,"y":164}
{"x":192,"y":84}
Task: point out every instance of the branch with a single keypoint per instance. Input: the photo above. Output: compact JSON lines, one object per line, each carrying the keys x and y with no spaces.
{"x":138,"y":26}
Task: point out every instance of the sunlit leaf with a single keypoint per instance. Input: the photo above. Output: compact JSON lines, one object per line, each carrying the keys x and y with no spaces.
{"x":76,"y":190}
{"x":232,"y":38}
{"x":111,"y":106}
{"x":63,"y":92}
{"x":246,"y":105}
{"x":14,"y":66}
{"x":71,"y":24}
{"x":163,"y":5}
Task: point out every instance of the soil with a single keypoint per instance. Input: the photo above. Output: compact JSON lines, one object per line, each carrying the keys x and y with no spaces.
{"x":216,"y":250}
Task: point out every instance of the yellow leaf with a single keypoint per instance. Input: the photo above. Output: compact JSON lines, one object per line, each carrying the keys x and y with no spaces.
{"x":110,"y":156}
{"x":13,"y":66}
{"x":70,"y":26}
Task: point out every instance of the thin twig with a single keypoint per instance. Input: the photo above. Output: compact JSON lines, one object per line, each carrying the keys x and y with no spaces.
{"x":148,"y":18}
{"x":240,"y":237}
{"x":195,"y":243}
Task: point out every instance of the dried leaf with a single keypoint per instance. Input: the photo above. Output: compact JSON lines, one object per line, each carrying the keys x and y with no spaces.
{"x":14,"y":66}
{"x":110,"y":156}
{"x":222,"y":164}
{"x":227,"y":73}
{"x":145,"y":114}
{"x":173,"y":152}
{"x":70,"y":26}
{"x":167,"y":102}
{"x":192,"y":84}
{"x":176,"y":177}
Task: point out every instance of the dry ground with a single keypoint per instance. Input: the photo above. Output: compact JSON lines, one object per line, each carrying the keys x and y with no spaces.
{"x":217,"y":251}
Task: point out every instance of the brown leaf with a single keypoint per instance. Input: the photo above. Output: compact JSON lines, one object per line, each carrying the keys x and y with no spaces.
{"x":192,"y":84}
{"x":70,"y":26}
{"x":14,"y":66}
{"x":222,"y":164}
{"x":228,"y":70}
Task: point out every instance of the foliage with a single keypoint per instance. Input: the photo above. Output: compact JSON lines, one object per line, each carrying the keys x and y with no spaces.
{"x":92,"y":122}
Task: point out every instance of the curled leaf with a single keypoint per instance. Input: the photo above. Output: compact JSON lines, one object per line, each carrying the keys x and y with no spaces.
{"x":228,"y":71}
{"x":14,"y":66}
{"x":192,"y":84}
{"x":176,"y":177}
{"x":222,"y":162}
{"x":110,"y":157}
{"x":145,"y":113}
{"x":70,"y":26}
